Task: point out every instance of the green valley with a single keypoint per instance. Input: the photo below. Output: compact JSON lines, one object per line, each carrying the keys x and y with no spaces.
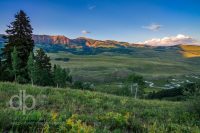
{"x":58,"y":84}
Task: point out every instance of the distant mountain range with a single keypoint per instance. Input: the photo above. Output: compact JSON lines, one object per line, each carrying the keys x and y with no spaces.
{"x":84,"y":45}
{"x":81,"y":42}
{"x":79,"y":45}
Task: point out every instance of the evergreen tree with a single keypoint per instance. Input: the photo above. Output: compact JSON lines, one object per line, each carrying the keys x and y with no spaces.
{"x":19,"y":36}
{"x":15,"y":63}
{"x":31,"y":68}
{"x":43,"y":69}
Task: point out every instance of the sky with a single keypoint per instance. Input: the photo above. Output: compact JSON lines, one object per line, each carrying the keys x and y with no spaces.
{"x":121,"y":20}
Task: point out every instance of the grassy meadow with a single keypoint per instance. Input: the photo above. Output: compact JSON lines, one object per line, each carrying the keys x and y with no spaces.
{"x":157,"y":66}
{"x":74,"y":111}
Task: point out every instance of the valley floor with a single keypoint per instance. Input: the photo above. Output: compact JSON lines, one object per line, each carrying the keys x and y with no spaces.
{"x":161,"y":70}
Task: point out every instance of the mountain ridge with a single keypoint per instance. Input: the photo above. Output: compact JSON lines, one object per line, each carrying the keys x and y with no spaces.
{"x":81,"y":42}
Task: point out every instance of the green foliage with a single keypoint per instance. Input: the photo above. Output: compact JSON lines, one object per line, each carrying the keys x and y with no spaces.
{"x":83,"y":85}
{"x":40,"y":72}
{"x":69,"y":77}
{"x":136,"y":79}
{"x":192,"y":89}
{"x":60,"y":76}
{"x":68,"y":110}
{"x":113,"y":120}
{"x":15,"y":63}
{"x":31,"y":67}
{"x":194,"y":106}
{"x":125,"y":91}
{"x":136,"y":84}
{"x":19,"y":37}
{"x":166,"y":93}
{"x":43,"y":69}
{"x":184,"y":92}
{"x":77,"y":85}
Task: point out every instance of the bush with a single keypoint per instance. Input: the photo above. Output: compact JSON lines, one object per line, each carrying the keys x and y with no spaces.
{"x":166,"y":93}
{"x":83,"y":85}
{"x":194,"y":106}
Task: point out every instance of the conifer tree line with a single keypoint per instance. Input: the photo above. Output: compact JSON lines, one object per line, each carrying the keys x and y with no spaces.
{"x":20,"y":64}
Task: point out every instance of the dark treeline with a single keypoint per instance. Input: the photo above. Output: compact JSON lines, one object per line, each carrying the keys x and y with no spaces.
{"x":20,"y":64}
{"x":181,"y":93}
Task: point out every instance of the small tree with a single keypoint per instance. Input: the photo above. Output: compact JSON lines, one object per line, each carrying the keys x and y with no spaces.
{"x":138,"y":83}
{"x":31,"y":68}
{"x":60,"y":76}
{"x":136,"y":79}
{"x":43,"y":69}
{"x":15,"y":63}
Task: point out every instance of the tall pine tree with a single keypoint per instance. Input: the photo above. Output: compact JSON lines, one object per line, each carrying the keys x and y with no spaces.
{"x":19,"y":36}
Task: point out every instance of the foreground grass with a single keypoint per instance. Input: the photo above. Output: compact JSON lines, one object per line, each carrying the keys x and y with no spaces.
{"x":67,"y":110}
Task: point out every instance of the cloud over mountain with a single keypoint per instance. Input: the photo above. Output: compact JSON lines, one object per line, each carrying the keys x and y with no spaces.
{"x":85,"y":32}
{"x":170,"y":41}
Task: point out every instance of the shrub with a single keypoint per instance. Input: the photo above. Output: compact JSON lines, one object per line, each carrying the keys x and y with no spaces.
{"x":166,"y":93}
{"x":82,"y":85}
{"x":75,"y":126}
{"x":194,"y":106}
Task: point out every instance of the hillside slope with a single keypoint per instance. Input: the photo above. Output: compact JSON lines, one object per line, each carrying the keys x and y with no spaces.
{"x":190,"y":51}
{"x":67,"y":110}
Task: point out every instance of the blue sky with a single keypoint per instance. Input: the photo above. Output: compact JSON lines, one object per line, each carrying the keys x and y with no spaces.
{"x":123,"y":20}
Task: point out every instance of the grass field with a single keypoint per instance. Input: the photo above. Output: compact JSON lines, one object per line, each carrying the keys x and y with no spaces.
{"x":154,"y":65}
{"x":74,"y":111}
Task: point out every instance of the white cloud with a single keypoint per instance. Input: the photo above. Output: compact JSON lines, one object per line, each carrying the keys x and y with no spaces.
{"x":153,"y":27}
{"x":170,"y":41}
{"x":92,"y":7}
{"x":85,"y":32}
